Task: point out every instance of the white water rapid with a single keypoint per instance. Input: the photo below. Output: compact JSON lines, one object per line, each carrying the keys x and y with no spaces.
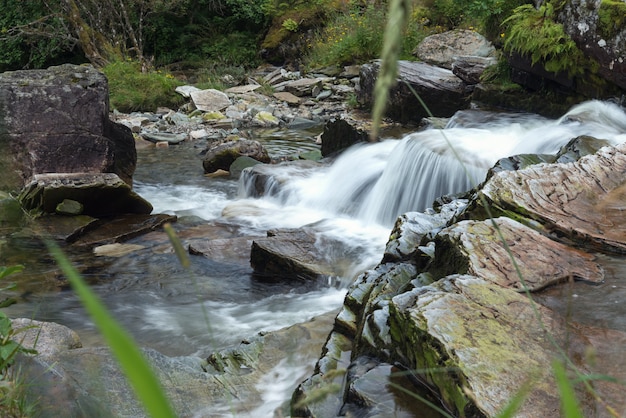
{"x":377,"y":182}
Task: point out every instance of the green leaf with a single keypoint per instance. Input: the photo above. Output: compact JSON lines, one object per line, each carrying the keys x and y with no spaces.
{"x":569,"y":404}
{"x":6,"y":271}
{"x":5,"y":325}
{"x":139,"y":373}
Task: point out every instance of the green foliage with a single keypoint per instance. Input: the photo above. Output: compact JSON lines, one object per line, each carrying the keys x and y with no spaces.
{"x":290,"y":25}
{"x":612,"y":17}
{"x":139,"y":373}
{"x":355,"y":36}
{"x":532,"y":33}
{"x":25,"y":26}
{"x":130,"y":89}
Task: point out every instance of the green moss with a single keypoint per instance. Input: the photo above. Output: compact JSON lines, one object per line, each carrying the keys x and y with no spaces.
{"x":612,"y":17}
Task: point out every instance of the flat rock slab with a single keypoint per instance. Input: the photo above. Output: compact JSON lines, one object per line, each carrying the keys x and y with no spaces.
{"x":475,"y":248}
{"x":478,"y":343}
{"x":122,"y":228}
{"x":210,"y":100}
{"x":582,"y":202}
{"x":289,"y":253}
{"x":101,"y":194}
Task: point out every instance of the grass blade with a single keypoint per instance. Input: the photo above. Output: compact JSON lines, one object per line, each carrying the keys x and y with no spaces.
{"x":569,"y":404}
{"x":139,"y":373}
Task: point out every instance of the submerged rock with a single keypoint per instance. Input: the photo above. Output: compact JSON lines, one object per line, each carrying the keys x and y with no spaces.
{"x":87,"y":382}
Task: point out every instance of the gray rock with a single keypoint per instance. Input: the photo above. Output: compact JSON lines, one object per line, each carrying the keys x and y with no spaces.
{"x":443,"y":49}
{"x":594,"y":187}
{"x":290,"y":254}
{"x":210,"y":100}
{"x":442,"y":91}
{"x":57,"y":121}
{"x":170,"y":138}
{"x":475,"y":248}
{"x":221,"y":156}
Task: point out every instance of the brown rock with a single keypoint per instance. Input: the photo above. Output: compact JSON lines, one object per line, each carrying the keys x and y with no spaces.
{"x":580,"y":203}
{"x":475,"y":248}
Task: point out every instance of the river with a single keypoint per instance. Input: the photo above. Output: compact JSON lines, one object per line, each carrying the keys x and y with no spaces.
{"x":354,"y":199}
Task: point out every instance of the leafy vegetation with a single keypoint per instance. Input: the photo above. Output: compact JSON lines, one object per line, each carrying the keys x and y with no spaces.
{"x":12,"y":399}
{"x":533,"y":33}
{"x":131,"y":89}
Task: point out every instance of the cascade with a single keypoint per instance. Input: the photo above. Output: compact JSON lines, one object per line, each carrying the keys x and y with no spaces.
{"x":379,"y":181}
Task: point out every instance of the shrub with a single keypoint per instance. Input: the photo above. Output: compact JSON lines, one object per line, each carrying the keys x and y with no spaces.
{"x":130,"y":89}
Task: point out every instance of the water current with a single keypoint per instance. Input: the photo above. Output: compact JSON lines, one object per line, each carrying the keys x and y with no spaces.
{"x":354,"y":199}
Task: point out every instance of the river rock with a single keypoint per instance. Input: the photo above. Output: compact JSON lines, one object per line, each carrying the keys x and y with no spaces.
{"x":442,"y":91}
{"x":599,"y":30}
{"x":103,"y":194}
{"x":222,"y":155}
{"x":57,"y":121}
{"x":340,"y":134}
{"x":264,"y":180}
{"x":458,"y":333}
{"x":443,"y":49}
{"x":580,"y":203}
{"x":290,"y":254}
{"x":120,"y":229}
{"x":476,"y":248}
{"x":210,"y":100}
{"x":87,"y":382}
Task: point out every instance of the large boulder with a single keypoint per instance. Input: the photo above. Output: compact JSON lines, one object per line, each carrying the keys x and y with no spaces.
{"x":599,"y":30}
{"x":57,"y":121}
{"x":440,"y":90}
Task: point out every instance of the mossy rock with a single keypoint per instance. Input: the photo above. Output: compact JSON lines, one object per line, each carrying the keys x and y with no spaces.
{"x":285,"y":42}
{"x":612,"y":17}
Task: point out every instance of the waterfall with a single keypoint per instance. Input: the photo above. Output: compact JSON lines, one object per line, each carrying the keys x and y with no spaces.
{"x":377,"y":182}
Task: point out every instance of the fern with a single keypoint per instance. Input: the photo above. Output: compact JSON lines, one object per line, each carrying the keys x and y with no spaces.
{"x":532,"y":33}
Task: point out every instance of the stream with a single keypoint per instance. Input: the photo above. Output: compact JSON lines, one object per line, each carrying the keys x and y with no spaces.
{"x":355,"y":199}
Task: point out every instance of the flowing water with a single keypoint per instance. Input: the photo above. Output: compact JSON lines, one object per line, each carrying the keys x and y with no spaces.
{"x":354,"y":199}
